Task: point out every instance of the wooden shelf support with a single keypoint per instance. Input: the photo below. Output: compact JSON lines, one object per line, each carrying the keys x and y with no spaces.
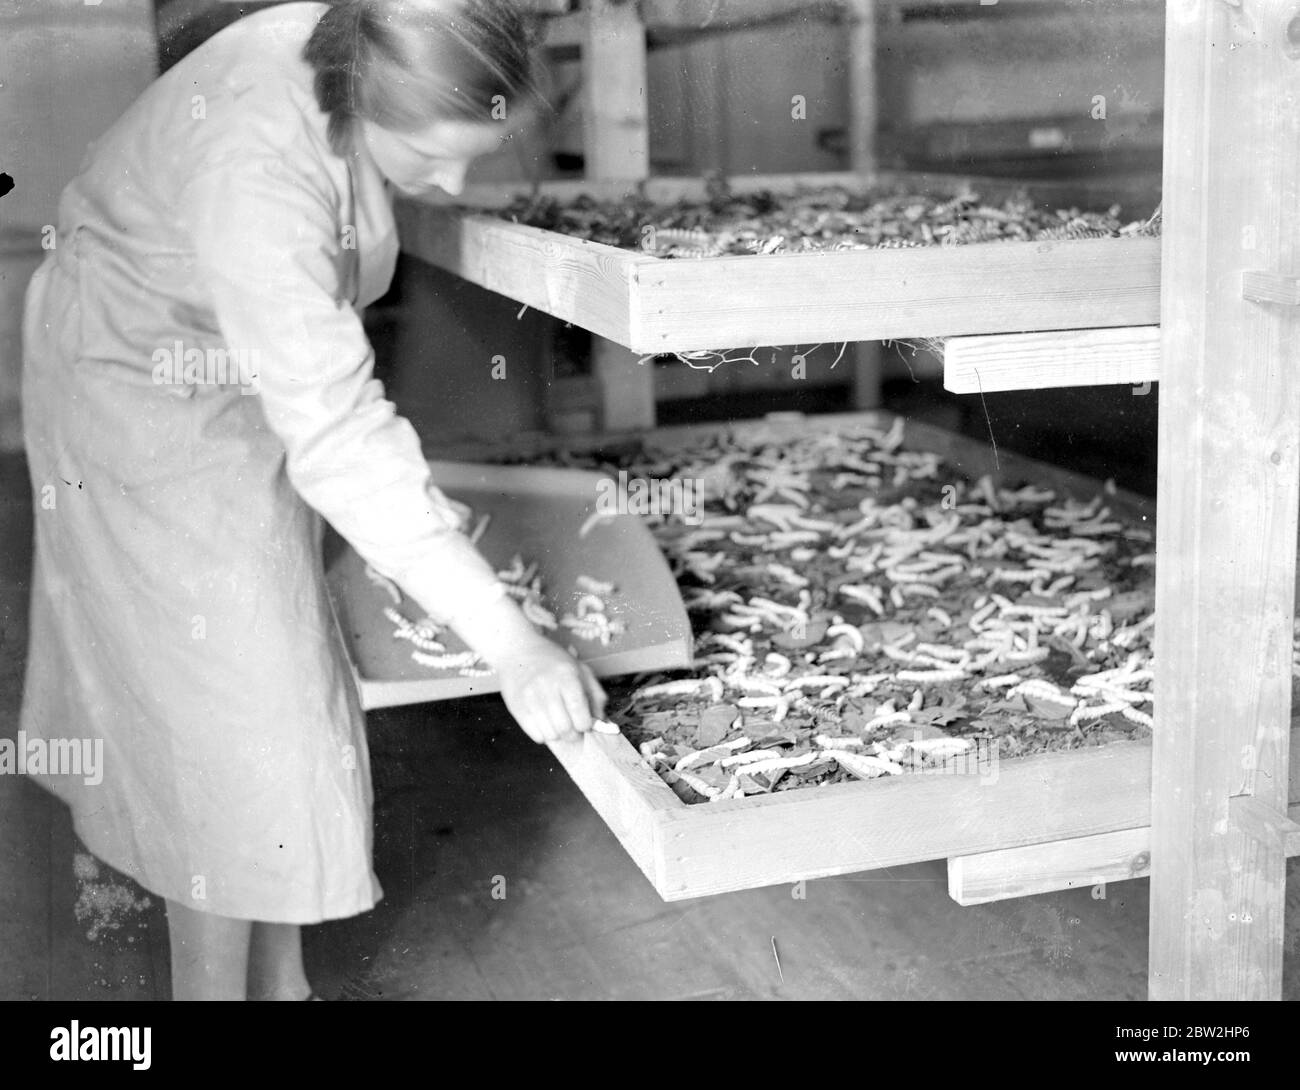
{"x":1229,"y":440}
{"x":1040,"y":361}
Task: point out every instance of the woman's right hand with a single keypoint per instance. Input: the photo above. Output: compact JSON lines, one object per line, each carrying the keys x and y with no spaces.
{"x":549,"y":692}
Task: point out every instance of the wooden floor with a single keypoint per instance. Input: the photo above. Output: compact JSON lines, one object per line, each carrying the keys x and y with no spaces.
{"x":467,"y":806}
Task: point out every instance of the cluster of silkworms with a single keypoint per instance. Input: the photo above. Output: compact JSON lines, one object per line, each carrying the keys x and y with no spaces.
{"x":589,"y":619}
{"x":839,"y":578}
{"x":815,"y":220}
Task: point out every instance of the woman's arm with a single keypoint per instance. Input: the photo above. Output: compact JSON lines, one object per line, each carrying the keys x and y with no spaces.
{"x":269,"y":248}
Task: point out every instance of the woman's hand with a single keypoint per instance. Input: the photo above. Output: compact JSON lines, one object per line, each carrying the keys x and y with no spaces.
{"x":550,"y":693}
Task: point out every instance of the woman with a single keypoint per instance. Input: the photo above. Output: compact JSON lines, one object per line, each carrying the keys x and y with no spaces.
{"x":198,"y":393}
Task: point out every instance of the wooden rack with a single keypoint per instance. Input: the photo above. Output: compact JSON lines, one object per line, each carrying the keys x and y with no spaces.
{"x":1207,"y":807}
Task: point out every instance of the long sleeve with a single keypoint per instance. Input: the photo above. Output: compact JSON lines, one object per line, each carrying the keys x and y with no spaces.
{"x":269,"y":246}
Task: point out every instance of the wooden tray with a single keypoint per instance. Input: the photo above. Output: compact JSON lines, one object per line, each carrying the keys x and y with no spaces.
{"x":1007,"y":828}
{"x":653,"y":305}
{"x":536,"y":513}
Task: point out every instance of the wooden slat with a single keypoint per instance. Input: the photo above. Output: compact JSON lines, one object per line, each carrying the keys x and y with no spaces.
{"x":794,"y":835}
{"x":887,"y":294}
{"x":654,"y":306}
{"x":1039,"y":361}
{"x":623,"y":790}
{"x":1228,"y":472}
{"x":1082,"y":861}
{"x":580,"y":282}
{"x":1067,"y":864}
{"x":1045,"y":868}
{"x":1270,"y":287}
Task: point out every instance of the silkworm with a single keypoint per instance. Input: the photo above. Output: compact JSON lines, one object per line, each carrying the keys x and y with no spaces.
{"x":940,"y":748}
{"x":940,"y":616}
{"x":757,"y":685}
{"x":848,"y":632}
{"x":733,"y":790}
{"x":595,"y":519}
{"x":595,"y":586}
{"x":1042,"y":690}
{"x":446,"y":662}
{"x":868,"y":596}
{"x":827,"y":742}
{"x":1085,"y":713}
{"x":787,"y":575}
{"x":698,"y":785}
{"x":1133,"y":715}
{"x":683,"y":687}
{"x":931,"y":677}
{"x":938,"y":651}
{"x":887,"y":720}
{"x":999,"y":682}
{"x":822,"y":681}
{"x":778,"y":763}
{"x":863,"y":765}
{"x":751,"y":757}
{"x":777,"y":665}
{"x":1025,"y":658}
{"x":604,"y":726}
{"x":538,"y":614}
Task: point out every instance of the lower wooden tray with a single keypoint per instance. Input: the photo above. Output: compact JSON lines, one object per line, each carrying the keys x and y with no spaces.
{"x":1075,"y":800}
{"x":537,"y":514}
{"x":1088,"y":809}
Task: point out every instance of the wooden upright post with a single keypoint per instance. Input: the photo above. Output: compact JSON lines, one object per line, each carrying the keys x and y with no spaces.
{"x":616,"y":146}
{"x":616,"y":130}
{"x":867,"y":362}
{"x":1228,"y":471}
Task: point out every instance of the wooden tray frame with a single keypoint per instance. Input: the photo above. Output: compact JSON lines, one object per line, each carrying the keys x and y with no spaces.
{"x":652,"y":306}
{"x":1028,"y":825}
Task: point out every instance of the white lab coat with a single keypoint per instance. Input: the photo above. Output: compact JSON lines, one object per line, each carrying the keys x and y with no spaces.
{"x":179,"y":612}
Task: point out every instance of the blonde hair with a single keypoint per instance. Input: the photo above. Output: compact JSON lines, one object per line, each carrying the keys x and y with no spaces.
{"x":403,"y":64}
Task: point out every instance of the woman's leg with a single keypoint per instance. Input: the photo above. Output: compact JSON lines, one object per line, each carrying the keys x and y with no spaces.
{"x":209,"y":954}
{"x":275,"y":969}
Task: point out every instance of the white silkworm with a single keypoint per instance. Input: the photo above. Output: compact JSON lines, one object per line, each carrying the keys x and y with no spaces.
{"x":817,"y":681}
{"x":684,"y":687}
{"x":827,"y":742}
{"x":749,"y":758}
{"x":446,"y":662}
{"x":777,"y":664}
{"x":848,"y":632}
{"x":538,"y":614}
{"x":931,"y":677}
{"x":594,"y":586}
{"x":778,"y":764}
{"x":863,"y":765}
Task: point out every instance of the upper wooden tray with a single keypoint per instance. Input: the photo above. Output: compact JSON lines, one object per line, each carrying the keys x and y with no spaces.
{"x":653,"y":305}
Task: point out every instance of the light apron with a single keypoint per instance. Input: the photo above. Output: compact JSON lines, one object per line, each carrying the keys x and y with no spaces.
{"x":180,"y":620}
